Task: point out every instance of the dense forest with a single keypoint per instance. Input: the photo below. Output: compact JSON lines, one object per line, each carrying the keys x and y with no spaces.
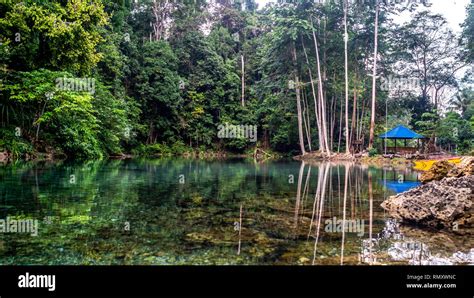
{"x":90,"y":79}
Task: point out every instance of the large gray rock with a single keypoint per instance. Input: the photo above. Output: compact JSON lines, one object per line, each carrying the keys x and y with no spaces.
{"x":448,"y":203}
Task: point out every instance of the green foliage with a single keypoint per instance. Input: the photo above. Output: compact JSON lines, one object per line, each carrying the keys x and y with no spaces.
{"x":372,"y":152}
{"x":78,"y":123}
{"x":152,"y":150}
{"x":428,"y":124}
{"x":468,"y":31}
{"x":12,"y":142}
{"x":74,"y":125}
{"x":455,"y":133}
{"x":177,"y":148}
{"x":165,"y":90}
{"x":113,"y":119}
{"x":156,"y":88}
{"x":52,"y":35}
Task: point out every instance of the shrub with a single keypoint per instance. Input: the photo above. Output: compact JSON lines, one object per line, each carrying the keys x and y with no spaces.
{"x":372,"y":152}
{"x":15,"y":145}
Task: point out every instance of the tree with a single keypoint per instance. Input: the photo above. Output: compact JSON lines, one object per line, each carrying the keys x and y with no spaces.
{"x":374,"y":74}
{"x":430,"y":54}
{"x":156,"y":85}
{"x":346,"y":40}
{"x":462,"y":101}
{"x":51,"y":35}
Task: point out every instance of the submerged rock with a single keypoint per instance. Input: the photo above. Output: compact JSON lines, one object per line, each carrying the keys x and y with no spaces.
{"x":404,"y":244}
{"x":440,"y":204}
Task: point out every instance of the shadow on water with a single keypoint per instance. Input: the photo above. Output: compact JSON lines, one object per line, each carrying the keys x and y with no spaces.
{"x":181,"y":211}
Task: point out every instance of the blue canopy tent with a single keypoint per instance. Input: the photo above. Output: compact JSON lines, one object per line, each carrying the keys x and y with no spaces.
{"x":401,"y":132}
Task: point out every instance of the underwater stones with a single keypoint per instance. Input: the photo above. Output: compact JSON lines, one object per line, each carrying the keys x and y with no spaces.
{"x":428,"y":252}
{"x":228,"y":236}
{"x":438,"y":171}
{"x":303,"y":260}
{"x":197,"y":200}
{"x":199,"y":237}
{"x":260,"y":251}
{"x":448,"y":203}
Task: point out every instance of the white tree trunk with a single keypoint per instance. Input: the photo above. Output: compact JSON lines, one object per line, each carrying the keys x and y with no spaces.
{"x":298,"y":105}
{"x":321,"y":97}
{"x":243,"y":80}
{"x":346,"y":39}
{"x":316,"y":107}
{"x":374,"y":73}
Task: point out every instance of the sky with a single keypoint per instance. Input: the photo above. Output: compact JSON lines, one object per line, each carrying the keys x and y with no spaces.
{"x":453,"y":10}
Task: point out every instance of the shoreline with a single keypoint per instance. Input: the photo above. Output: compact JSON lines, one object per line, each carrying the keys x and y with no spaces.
{"x":257,"y":154}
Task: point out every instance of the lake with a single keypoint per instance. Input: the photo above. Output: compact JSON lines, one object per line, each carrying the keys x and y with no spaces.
{"x":211,"y":212}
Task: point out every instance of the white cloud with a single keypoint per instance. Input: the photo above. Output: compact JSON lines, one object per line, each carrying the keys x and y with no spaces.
{"x":453,"y":10}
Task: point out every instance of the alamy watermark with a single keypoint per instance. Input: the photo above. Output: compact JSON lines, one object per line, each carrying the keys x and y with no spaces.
{"x":391,"y":83}
{"x":11,"y":225}
{"x":231,"y":131}
{"x":76,"y":84}
{"x":335,"y":225}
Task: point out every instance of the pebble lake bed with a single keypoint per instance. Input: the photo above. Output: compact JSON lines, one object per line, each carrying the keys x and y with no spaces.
{"x":198,"y":212}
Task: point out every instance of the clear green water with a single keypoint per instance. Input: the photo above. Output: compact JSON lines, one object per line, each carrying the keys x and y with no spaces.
{"x":177,"y":211}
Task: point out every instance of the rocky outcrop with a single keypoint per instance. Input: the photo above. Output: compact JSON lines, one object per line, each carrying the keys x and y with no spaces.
{"x":448,"y":203}
{"x":438,"y":171}
{"x":464,"y":168}
{"x":443,"y":168}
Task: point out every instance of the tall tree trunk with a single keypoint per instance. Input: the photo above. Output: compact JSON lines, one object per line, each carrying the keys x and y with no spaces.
{"x":243,"y":79}
{"x":321,"y":96}
{"x":333,"y":120}
{"x":308,"y":123}
{"x":313,"y":91}
{"x":340,"y":131}
{"x":346,"y":75}
{"x":307,"y":127}
{"x":298,"y":103}
{"x":39,"y":124}
{"x":374,"y":73}
{"x":354,"y":111}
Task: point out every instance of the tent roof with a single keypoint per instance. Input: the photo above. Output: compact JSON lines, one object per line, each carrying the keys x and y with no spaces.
{"x":401,"y":132}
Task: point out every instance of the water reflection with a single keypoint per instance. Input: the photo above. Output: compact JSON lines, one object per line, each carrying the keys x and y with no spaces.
{"x":174,"y":211}
{"x":399,"y":181}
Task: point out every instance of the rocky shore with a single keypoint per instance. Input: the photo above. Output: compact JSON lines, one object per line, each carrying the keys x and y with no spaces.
{"x":444,"y":201}
{"x":443,"y":168}
{"x":362,"y":158}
